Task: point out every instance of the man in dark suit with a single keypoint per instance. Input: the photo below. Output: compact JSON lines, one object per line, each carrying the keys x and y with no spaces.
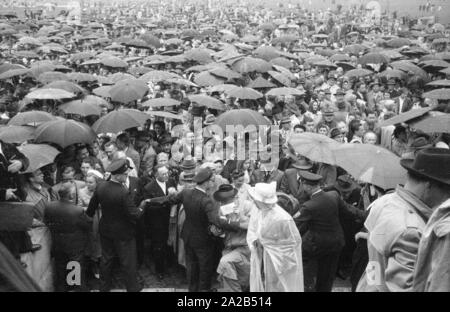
{"x":12,"y":162}
{"x":403,"y":103}
{"x":117,"y":225}
{"x":124,"y":144}
{"x":201,"y":212}
{"x":136,"y":193}
{"x":321,"y":231}
{"x":69,"y":227}
{"x":158,"y":215}
{"x":291,"y":182}
{"x":268,"y":171}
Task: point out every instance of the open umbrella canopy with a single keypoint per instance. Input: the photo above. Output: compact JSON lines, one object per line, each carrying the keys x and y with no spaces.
{"x":95,"y":100}
{"x":281,"y":78}
{"x":82,"y":77}
{"x":226,"y":73}
{"x":241,"y":117}
{"x":260,"y":83}
{"x":80,"y":107}
{"x":285,"y":91}
{"x":16,"y":134}
{"x":434,"y":65}
{"x":120,"y":120}
{"x":207,"y":101}
{"x":359,"y":72}
{"x":221,"y":88}
{"x":120,"y":76}
{"x":409,"y":67}
{"x":443,"y":83}
{"x":64,"y":132}
{"x":39,"y":155}
{"x":103,"y":91}
{"x":340,"y":58}
{"x":157,"y":76}
{"x":393,"y":73}
{"x":51,"y":76}
{"x":250,"y":64}
{"x":371,"y":164}
{"x":161,"y":102}
{"x":128,"y":90}
{"x":14,"y":73}
{"x":65,"y":85}
{"x":432,"y":122}
{"x":406,"y":116}
{"x":282,"y":61}
{"x":266,"y":53}
{"x":316,"y":147}
{"x":373,"y":58}
{"x":31,"y":118}
{"x":201,"y":56}
{"x":114,"y":62}
{"x":206,"y":79}
{"x":398,"y":43}
{"x":437,"y":94}
{"x":8,"y":66}
{"x":164,"y":114}
{"x":244,"y":93}
{"x":49,"y":94}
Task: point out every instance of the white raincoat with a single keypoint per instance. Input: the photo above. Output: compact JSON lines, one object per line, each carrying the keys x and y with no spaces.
{"x":280,"y":259}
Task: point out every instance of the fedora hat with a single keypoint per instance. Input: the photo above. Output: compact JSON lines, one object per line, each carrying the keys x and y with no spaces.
{"x":264,"y":192}
{"x":302,"y":164}
{"x":188,"y":164}
{"x":430,"y":163}
{"x":344,"y":183}
{"x":209,"y":120}
{"x":225,"y":193}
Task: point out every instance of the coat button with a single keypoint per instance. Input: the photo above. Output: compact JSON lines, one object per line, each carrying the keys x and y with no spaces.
{"x":410,"y":211}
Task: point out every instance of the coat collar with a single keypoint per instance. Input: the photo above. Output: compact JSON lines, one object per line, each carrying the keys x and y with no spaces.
{"x":421,"y":208}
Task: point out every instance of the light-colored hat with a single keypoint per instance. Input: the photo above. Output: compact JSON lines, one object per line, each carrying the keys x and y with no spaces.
{"x":264,"y":192}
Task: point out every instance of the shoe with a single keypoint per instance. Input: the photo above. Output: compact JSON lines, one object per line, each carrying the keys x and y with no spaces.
{"x":36,"y":247}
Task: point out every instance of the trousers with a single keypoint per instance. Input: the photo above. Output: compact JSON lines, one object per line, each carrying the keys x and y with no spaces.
{"x":321,"y":268}
{"x":199,"y":267}
{"x":125,"y":250}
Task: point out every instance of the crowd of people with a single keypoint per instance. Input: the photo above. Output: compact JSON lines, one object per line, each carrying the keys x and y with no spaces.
{"x":273,"y":220}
